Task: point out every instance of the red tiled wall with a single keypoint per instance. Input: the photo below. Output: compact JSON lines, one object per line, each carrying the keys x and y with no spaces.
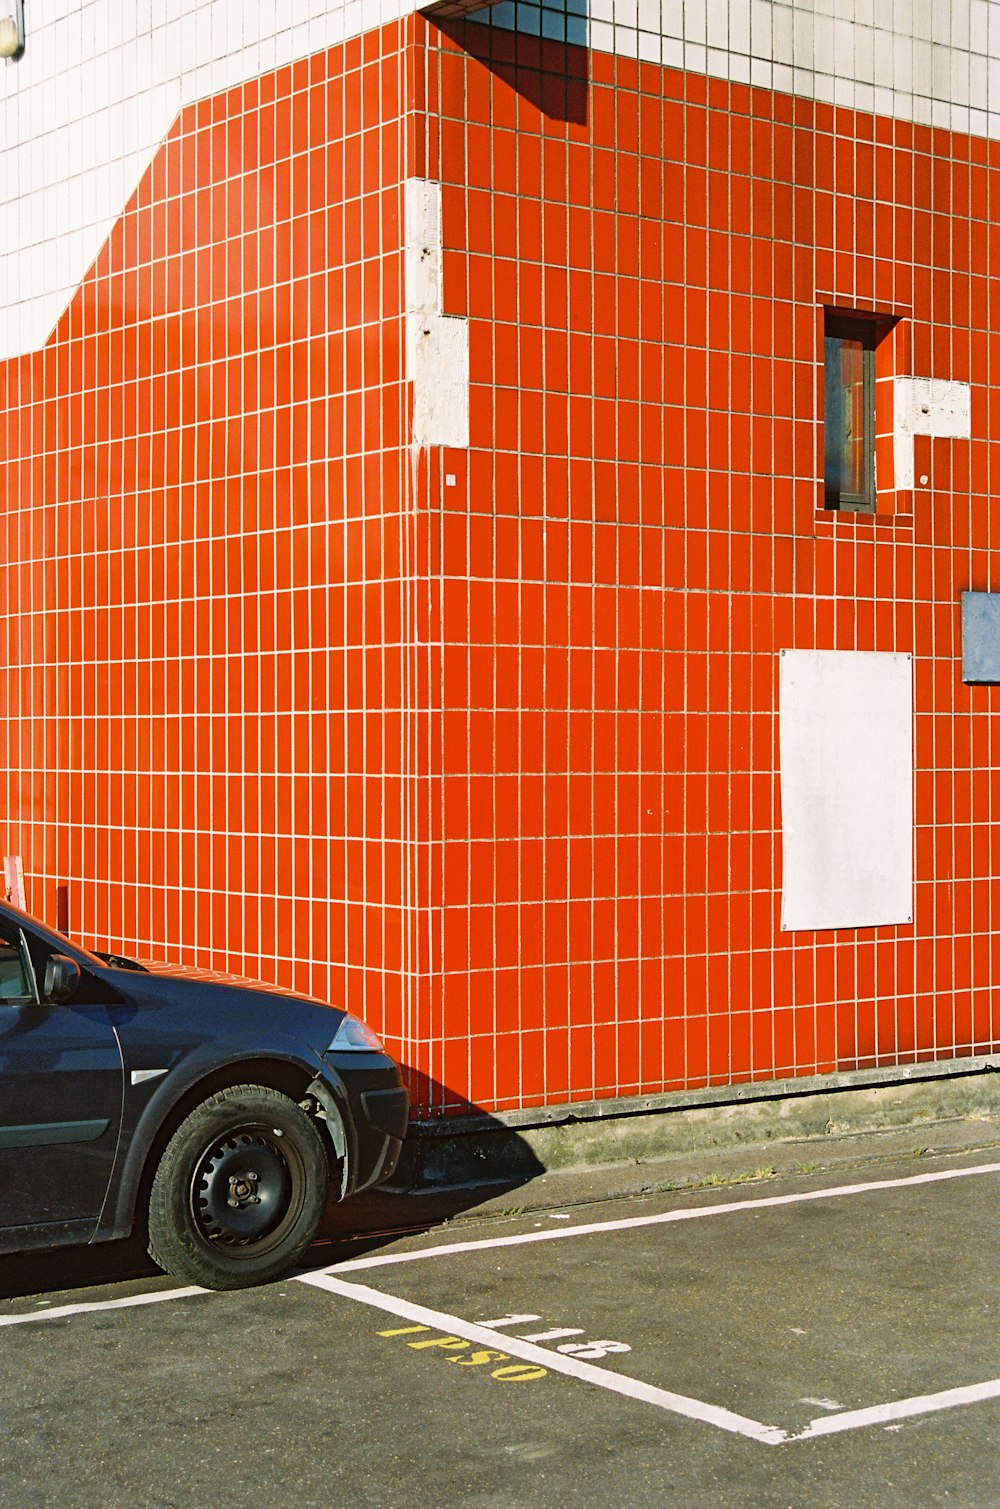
{"x":485,"y":744}
{"x":639,"y":530}
{"x":206,"y":502}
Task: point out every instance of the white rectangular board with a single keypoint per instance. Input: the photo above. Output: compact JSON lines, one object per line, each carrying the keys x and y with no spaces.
{"x":846,"y":757}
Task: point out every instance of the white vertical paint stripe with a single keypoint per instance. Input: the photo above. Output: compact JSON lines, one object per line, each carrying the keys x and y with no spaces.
{"x":665,"y":1218}
{"x":437,"y":344}
{"x":555,"y":1362}
{"x":423,"y":249}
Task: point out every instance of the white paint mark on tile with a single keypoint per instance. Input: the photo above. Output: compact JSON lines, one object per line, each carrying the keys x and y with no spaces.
{"x":437,"y":344}
{"x":926,"y":406}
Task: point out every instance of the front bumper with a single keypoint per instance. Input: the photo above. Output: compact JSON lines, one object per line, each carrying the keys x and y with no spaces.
{"x":378,"y":1106}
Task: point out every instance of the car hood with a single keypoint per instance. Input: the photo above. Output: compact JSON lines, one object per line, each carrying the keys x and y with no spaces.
{"x":180,"y":1007}
{"x":219,"y":977}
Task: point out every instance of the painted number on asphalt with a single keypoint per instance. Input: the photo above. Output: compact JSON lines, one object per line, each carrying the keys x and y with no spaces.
{"x":591,"y":1350}
{"x":511,"y":1372}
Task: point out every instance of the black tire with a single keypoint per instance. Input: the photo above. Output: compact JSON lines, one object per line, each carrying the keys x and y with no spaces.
{"x":239,"y":1190}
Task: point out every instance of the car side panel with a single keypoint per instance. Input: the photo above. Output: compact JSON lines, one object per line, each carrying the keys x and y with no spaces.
{"x":62,"y":1234}
{"x":60,"y":1111}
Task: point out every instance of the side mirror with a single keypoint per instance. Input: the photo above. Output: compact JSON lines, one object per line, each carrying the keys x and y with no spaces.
{"x":62,"y":976}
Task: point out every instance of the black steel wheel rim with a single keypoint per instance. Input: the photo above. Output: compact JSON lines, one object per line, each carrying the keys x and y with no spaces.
{"x":247,"y":1190}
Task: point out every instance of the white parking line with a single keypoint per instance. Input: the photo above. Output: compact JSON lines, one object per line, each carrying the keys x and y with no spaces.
{"x":900,"y":1409}
{"x":677,"y":1404}
{"x":61,"y":1311}
{"x":591,"y":1228}
{"x":554,"y":1362}
{"x":632,"y":1223}
{"x":646,"y":1393}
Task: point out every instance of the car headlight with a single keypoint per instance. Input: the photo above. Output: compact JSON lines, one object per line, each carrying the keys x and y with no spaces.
{"x":354,"y":1036}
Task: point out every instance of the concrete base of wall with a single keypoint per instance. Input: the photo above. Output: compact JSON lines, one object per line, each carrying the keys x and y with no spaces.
{"x":480,"y":1149}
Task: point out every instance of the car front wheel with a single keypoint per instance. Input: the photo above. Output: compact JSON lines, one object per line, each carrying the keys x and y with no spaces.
{"x":239,"y":1190}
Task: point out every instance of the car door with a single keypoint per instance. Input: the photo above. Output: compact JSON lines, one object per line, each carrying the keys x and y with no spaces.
{"x":60,"y":1096}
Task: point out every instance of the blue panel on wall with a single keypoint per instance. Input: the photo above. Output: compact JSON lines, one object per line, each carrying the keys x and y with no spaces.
{"x":981,"y":637}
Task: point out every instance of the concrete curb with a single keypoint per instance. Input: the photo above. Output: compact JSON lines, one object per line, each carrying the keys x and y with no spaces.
{"x":487,"y":1148}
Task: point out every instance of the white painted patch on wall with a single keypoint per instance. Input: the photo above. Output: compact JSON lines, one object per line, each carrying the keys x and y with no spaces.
{"x":846,"y":755}
{"x":437,"y":344}
{"x":926,"y":406}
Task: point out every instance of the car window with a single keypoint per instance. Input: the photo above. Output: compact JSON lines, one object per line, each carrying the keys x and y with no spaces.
{"x":13,"y":979}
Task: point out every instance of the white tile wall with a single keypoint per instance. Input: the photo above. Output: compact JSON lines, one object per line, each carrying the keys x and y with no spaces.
{"x":932,"y":61}
{"x":84,"y":108}
{"x":100,"y":81}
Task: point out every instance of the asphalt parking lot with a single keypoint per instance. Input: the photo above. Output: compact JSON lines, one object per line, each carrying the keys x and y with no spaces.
{"x":817,"y":1335}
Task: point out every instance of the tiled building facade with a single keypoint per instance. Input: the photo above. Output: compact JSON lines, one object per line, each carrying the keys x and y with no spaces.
{"x":420,"y":584}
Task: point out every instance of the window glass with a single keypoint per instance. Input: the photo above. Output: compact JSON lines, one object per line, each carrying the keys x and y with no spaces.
{"x":13,"y":980}
{"x":849,"y":419}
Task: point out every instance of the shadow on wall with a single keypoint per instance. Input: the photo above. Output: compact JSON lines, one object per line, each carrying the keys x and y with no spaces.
{"x":423,"y":1194}
{"x":540,"y":50}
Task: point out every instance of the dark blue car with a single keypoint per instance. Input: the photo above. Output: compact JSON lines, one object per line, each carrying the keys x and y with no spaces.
{"x":220,"y":1112}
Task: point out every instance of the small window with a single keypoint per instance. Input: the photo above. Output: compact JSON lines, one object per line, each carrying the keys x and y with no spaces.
{"x":849,"y":417}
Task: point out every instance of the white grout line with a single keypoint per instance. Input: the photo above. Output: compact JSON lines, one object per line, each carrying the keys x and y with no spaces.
{"x":554,"y":1362}
{"x":103,"y":1304}
{"x":701,"y":1212}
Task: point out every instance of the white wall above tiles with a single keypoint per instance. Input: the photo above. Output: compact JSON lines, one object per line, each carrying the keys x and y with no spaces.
{"x":84,"y":108}
{"x":932,"y":61}
{"x":100,"y":81}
